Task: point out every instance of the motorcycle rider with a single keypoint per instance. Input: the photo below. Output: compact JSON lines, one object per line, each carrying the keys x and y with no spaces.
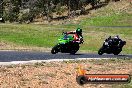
{"x":109,"y":38}
{"x":108,"y":41}
{"x":77,"y":35}
{"x":117,"y":37}
{"x":117,"y":40}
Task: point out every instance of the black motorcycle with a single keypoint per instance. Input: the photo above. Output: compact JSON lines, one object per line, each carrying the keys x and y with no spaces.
{"x":112,"y":46}
{"x":66,"y":45}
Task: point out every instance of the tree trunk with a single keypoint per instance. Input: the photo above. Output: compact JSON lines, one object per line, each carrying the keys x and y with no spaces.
{"x":69,"y":8}
{"x":1,"y":8}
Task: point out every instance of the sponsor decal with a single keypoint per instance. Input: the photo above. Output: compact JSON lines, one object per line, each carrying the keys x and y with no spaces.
{"x":82,"y":77}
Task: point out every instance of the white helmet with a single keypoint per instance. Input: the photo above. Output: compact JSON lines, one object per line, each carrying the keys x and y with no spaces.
{"x":116,"y":37}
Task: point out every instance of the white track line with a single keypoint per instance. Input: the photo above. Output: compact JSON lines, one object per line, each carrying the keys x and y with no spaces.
{"x":39,"y":61}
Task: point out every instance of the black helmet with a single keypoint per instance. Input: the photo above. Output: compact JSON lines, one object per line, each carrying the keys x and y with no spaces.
{"x":79,"y":31}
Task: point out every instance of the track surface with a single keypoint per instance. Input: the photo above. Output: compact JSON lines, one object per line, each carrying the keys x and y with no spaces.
{"x":8,"y":56}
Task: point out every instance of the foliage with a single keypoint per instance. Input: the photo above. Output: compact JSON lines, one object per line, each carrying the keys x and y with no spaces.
{"x":13,"y":9}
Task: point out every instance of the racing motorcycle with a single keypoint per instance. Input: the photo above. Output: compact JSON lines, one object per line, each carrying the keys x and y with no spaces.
{"x":66,"y":45}
{"x":112,"y":46}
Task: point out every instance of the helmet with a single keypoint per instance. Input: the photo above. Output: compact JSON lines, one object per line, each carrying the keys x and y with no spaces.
{"x":109,"y":38}
{"x":116,"y":37}
{"x":79,"y":31}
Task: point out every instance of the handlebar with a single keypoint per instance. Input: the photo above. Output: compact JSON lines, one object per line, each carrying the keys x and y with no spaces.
{"x":64,"y":33}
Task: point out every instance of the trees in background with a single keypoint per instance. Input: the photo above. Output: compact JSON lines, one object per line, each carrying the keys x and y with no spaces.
{"x":1,"y":11}
{"x":1,"y":8}
{"x":27,"y":10}
{"x":11,"y":9}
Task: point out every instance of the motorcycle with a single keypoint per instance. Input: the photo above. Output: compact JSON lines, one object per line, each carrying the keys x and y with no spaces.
{"x":112,"y":46}
{"x":66,"y":45}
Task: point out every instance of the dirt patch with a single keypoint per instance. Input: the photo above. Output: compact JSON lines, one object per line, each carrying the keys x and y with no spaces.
{"x":7,"y":46}
{"x":59,"y":74}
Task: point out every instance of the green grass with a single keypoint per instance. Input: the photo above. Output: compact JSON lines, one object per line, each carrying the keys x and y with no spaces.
{"x":47,"y":35}
{"x":34,"y":35}
{"x":122,"y":19}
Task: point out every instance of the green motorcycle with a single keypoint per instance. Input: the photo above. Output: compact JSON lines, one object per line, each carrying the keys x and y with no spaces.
{"x":66,"y":45}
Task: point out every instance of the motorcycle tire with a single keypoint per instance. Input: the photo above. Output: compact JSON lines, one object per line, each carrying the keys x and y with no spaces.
{"x":74,"y":50}
{"x":116,"y":53}
{"x":54,"y":49}
{"x":81,"y":80}
{"x":100,"y":52}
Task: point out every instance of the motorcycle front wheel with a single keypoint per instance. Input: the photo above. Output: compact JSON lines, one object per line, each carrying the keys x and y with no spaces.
{"x":74,"y":49}
{"x":117,"y":52}
{"x":72,"y":52}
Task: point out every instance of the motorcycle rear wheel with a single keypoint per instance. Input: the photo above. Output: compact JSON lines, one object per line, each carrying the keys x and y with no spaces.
{"x":100,"y":52}
{"x":55,"y":49}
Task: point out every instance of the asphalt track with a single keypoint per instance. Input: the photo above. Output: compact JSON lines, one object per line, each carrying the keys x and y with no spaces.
{"x":9,"y":56}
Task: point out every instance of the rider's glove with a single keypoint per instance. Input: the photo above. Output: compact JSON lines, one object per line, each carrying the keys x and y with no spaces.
{"x":81,"y":40}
